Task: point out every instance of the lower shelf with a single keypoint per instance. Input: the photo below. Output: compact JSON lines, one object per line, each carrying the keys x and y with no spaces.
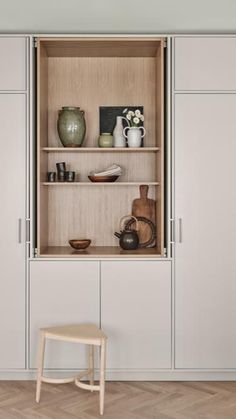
{"x":97,"y":251}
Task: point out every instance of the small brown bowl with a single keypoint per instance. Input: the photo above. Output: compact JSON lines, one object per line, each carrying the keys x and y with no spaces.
{"x":103,"y":178}
{"x":80,"y":244}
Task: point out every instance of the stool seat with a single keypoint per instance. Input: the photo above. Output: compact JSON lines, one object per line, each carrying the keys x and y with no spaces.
{"x":87,"y":333}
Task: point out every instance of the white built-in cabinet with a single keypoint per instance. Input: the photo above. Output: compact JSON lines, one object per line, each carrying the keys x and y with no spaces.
{"x":205,"y":204}
{"x":62,"y":292}
{"x":136,"y":313}
{"x":158,"y":314}
{"x":13,"y":119}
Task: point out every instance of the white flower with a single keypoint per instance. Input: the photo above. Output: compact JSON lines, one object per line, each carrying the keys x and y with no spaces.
{"x":128,"y":116}
{"x":138,"y":113}
{"x":131,"y":113}
{"x":141,"y":117}
{"x":136,"y":120}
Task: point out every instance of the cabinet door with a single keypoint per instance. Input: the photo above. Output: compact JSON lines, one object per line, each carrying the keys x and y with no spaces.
{"x":13,"y":63}
{"x":205,"y":287}
{"x":12,"y":247}
{"x":136,"y":313}
{"x":62,"y":292}
{"x":205,"y":63}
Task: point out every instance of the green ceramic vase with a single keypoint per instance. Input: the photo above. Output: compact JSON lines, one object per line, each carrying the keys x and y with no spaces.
{"x":105,"y":140}
{"x":71,"y":126}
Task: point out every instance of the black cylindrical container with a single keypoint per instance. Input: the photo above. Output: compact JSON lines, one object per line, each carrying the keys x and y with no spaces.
{"x":70,"y":176}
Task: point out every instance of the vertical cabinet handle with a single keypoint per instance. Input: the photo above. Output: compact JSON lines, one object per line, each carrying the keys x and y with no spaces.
{"x":172,"y":230}
{"x":180,"y":230}
{"x":176,"y":230}
{"x":19,"y":230}
{"x":27,"y":230}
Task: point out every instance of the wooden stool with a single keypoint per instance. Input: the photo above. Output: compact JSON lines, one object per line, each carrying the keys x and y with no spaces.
{"x":89,"y":334}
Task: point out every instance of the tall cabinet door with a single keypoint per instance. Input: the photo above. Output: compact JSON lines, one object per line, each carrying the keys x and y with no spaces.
{"x":12,"y":247}
{"x":205,"y":204}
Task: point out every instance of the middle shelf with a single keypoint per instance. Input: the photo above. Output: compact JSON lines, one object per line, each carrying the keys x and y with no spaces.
{"x":98,"y":150}
{"x":100,"y":183}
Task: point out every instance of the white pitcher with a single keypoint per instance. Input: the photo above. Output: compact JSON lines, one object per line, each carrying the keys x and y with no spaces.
{"x":118,"y":136}
{"x":134,"y":136}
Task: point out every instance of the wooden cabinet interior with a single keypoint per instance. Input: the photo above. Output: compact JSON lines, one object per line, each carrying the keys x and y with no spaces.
{"x":93,"y":72}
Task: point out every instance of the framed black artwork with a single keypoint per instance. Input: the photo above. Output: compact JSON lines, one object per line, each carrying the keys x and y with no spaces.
{"x":108,"y":114}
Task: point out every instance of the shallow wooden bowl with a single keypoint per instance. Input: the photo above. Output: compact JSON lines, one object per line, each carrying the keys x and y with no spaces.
{"x":103,"y":178}
{"x":80,"y":244}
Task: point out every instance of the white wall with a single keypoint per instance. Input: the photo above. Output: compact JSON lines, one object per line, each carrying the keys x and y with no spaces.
{"x":114,"y":16}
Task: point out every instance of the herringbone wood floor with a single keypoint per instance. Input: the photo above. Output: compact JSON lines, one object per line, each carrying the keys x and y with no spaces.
{"x":124,"y":400}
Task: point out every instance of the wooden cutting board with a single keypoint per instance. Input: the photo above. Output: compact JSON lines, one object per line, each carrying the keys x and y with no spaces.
{"x":144,"y":207}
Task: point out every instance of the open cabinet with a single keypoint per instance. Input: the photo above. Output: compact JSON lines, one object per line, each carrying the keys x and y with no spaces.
{"x":89,"y":73}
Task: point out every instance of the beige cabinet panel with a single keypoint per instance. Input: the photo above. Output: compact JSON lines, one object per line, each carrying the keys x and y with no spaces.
{"x":12,"y":247}
{"x":13,"y":63}
{"x":136,"y":313}
{"x":62,"y":292}
{"x":205,"y":200}
{"x":205,"y":63}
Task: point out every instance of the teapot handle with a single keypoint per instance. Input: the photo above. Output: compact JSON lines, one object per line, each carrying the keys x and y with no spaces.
{"x":125,"y":218}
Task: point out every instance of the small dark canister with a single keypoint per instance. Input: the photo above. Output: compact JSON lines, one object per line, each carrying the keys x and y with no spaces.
{"x":51,"y":176}
{"x":70,"y":176}
{"x":61,"y":176}
{"x":61,"y":167}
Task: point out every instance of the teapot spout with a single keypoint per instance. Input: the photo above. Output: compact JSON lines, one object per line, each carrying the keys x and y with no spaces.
{"x":117,"y":235}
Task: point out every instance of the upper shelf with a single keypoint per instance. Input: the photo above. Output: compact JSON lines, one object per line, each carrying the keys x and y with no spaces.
{"x":99,"y":149}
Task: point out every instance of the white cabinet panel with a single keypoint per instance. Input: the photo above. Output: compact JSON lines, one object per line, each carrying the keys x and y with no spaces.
{"x":136,"y":313}
{"x":13,"y":63}
{"x":62,"y":292}
{"x":205,"y":174}
{"x":12,"y":209}
{"x":205,"y":63}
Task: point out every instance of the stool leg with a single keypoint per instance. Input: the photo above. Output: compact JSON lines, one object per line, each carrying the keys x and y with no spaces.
{"x":40,"y":365}
{"x":91,"y":363}
{"x":102,"y":375}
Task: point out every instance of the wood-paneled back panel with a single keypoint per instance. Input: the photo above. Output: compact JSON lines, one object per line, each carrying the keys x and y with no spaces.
{"x":93,"y":82}
{"x":89,"y":212}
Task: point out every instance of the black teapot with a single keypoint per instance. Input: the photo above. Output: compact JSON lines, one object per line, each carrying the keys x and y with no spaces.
{"x":129,"y":239}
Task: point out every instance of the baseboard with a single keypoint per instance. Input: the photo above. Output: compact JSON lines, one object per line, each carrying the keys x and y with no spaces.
{"x":131,"y":375}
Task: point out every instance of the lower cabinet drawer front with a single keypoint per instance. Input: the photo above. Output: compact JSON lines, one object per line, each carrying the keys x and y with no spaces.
{"x":62,"y":292}
{"x":136,"y":313}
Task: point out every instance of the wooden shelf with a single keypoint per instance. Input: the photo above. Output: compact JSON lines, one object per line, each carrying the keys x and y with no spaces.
{"x":83,"y":207}
{"x":100,"y":183}
{"x":98,"y":251}
{"x":99,"y":150}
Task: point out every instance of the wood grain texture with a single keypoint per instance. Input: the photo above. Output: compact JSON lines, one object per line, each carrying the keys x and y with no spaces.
{"x":89,"y":82}
{"x":100,"y":150}
{"x":124,"y":400}
{"x":88,"y":212}
{"x":99,"y":251}
{"x":93,"y":82}
{"x":101,"y":47}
